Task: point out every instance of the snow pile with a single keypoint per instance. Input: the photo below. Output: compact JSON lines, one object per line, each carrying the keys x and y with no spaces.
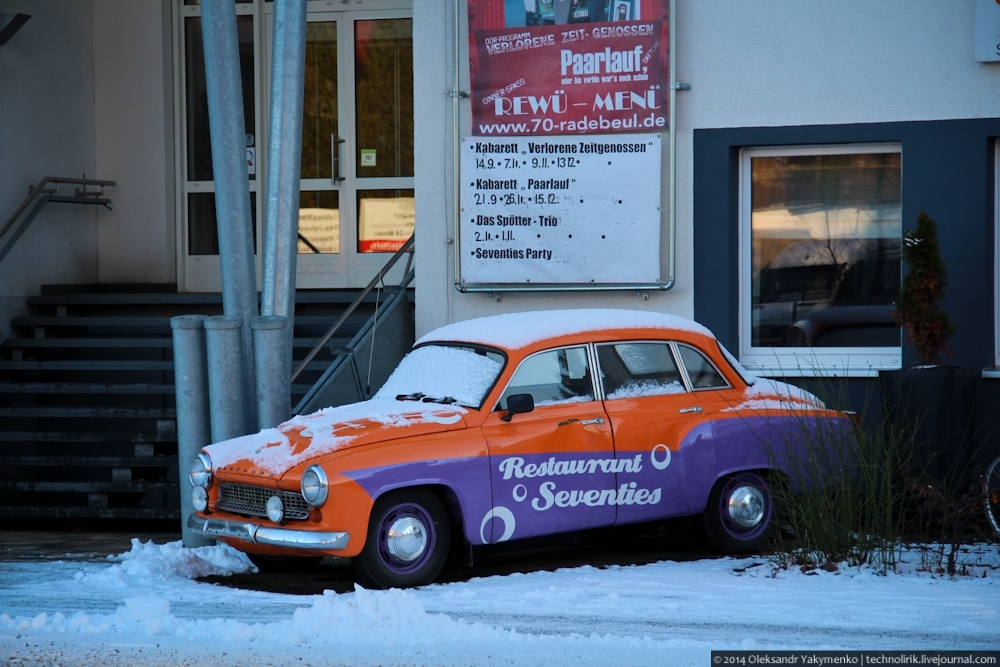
{"x":516,"y":330}
{"x":147,"y":563}
{"x":635,"y":389}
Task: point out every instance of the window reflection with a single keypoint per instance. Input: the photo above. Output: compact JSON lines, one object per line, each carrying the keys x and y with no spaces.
{"x":199,"y":141}
{"x":319,"y":222}
{"x":203,"y":228}
{"x":319,"y":108}
{"x":384,"y":89}
{"x":385,"y":219}
{"x":825,"y":235}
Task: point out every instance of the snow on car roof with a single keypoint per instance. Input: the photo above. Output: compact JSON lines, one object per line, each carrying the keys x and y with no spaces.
{"x":515,"y":330}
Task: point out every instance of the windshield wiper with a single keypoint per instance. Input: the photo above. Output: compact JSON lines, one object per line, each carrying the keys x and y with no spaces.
{"x":447,"y":400}
{"x":415,"y":396}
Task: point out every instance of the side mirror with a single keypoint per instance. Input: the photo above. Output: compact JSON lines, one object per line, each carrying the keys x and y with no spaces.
{"x":518,"y":404}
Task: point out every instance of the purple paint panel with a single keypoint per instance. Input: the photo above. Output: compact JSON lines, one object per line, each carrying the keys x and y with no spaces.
{"x":681,"y":477}
{"x":541,"y":494}
{"x":467,"y":479}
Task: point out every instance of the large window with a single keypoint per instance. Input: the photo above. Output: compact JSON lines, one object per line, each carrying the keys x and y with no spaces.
{"x":821,"y":231}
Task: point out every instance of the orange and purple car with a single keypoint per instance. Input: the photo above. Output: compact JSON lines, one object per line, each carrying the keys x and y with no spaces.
{"x":509,"y":427}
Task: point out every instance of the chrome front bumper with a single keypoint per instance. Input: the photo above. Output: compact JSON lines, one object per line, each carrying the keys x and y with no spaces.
{"x":278,"y":537}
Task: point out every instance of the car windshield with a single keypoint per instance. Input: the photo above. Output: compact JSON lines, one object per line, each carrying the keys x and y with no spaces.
{"x":445,"y":373}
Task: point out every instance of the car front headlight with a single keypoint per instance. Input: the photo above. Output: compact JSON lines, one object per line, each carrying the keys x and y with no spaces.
{"x":275,"y":509}
{"x":200,"y":470}
{"x":315,"y":486}
{"x":199,"y":498}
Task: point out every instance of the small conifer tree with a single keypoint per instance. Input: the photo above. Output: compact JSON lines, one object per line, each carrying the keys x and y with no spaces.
{"x":918,"y":308}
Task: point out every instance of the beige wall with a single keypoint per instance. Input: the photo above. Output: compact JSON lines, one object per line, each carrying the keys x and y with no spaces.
{"x":86,"y":89}
{"x":133,"y":126}
{"x":47,"y":129}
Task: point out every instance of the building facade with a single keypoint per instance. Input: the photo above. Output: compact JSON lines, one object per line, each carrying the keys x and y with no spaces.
{"x":810,"y":137}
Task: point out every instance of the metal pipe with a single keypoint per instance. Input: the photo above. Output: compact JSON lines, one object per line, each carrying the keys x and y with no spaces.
{"x":193,"y":421}
{"x":281,"y":208}
{"x":225,"y":355}
{"x":232,"y":198}
{"x":274,"y":386}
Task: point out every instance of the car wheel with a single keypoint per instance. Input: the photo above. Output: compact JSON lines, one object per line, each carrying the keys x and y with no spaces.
{"x":408,"y":539}
{"x":279,"y":564}
{"x":739,"y":513}
{"x":991,"y":489}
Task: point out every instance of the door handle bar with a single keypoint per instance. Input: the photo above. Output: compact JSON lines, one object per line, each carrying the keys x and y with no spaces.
{"x":685,"y":411}
{"x":596,"y":420}
{"x":335,"y":156}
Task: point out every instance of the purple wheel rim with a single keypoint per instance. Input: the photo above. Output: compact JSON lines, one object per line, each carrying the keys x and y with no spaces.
{"x":734,"y":529}
{"x":401,"y":512}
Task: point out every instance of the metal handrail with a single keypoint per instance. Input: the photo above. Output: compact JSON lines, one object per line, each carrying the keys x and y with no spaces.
{"x":407,"y":248}
{"x":34,"y":191}
{"x":44,"y":195}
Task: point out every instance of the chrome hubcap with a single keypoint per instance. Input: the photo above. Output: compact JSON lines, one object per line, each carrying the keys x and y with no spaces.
{"x":406,"y":539}
{"x":746,"y":506}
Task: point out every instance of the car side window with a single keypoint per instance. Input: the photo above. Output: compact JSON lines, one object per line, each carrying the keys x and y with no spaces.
{"x":555,"y":376}
{"x":629,"y":370}
{"x":700,"y":370}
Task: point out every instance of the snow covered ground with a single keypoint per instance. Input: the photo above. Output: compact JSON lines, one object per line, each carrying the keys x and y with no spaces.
{"x":144,"y":607}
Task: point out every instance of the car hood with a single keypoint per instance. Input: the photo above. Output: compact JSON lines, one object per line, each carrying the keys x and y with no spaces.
{"x":275,"y":451}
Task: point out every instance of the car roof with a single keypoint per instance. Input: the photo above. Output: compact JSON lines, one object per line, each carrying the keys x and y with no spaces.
{"x":513,"y":331}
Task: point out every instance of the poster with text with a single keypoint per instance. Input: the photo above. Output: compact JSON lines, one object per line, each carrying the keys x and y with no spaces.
{"x":548,"y":67}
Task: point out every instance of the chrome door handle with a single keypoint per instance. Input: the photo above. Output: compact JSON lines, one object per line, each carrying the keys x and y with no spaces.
{"x":335,"y":156}
{"x":685,"y":411}
{"x":596,"y":420}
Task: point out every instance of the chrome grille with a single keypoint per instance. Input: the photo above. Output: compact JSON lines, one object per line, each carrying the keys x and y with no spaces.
{"x":252,"y":500}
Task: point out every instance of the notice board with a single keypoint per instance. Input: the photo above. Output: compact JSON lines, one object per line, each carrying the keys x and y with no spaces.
{"x":561,"y":180}
{"x":560,"y":211}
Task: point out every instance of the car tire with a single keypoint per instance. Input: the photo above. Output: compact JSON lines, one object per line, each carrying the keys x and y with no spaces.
{"x":740,"y":512}
{"x":408,"y":540}
{"x":280,"y":564}
{"x":991,"y":491}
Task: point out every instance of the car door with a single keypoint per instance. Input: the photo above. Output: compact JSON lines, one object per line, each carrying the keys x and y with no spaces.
{"x":659,"y":428}
{"x":553,"y":469}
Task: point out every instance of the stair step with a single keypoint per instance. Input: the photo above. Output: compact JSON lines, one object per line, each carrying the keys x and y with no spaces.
{"x":41,"y":512}
{"x":134,"y":486}
{"x":84,"y":413}
{"x":84,"y":437}
{"x":85,"y":388}
{"x":150,"y":321}
{"x":90,"y":365}
{"x":342,"y":297}
{"x":90,"y":461}
{"x":160,"y":342}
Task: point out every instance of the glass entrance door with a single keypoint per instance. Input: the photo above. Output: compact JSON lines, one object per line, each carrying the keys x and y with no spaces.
{"x":356,"y":191}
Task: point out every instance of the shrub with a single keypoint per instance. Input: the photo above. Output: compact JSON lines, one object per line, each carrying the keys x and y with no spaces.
{"x":918,"y":307}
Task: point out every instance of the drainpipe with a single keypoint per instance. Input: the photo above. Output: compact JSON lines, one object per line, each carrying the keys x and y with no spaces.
{"x":284,"y":164}
{"x":232,"y":196}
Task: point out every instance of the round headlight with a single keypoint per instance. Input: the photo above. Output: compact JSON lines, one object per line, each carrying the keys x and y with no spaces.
{"x":199,"y":498}
{"x":314,"y":486}
{"x":275,"y":509}
{"x":200,"y":470}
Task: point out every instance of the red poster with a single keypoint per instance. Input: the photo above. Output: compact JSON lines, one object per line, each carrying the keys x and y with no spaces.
{"x":569,"y":66}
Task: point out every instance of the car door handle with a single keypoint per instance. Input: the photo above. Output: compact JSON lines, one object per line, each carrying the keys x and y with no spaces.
{"x":685,"y":411}
{"x":596,"y":420}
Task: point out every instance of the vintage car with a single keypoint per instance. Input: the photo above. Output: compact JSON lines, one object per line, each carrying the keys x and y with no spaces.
{"x":509,"y":427}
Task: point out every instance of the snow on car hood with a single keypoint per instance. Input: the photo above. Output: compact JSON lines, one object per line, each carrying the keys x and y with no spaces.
{"x":303,"y":438}
{"x":517,"y":330}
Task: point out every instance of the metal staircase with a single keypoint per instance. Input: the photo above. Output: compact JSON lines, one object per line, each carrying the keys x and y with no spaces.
{"x":87,"y":419}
